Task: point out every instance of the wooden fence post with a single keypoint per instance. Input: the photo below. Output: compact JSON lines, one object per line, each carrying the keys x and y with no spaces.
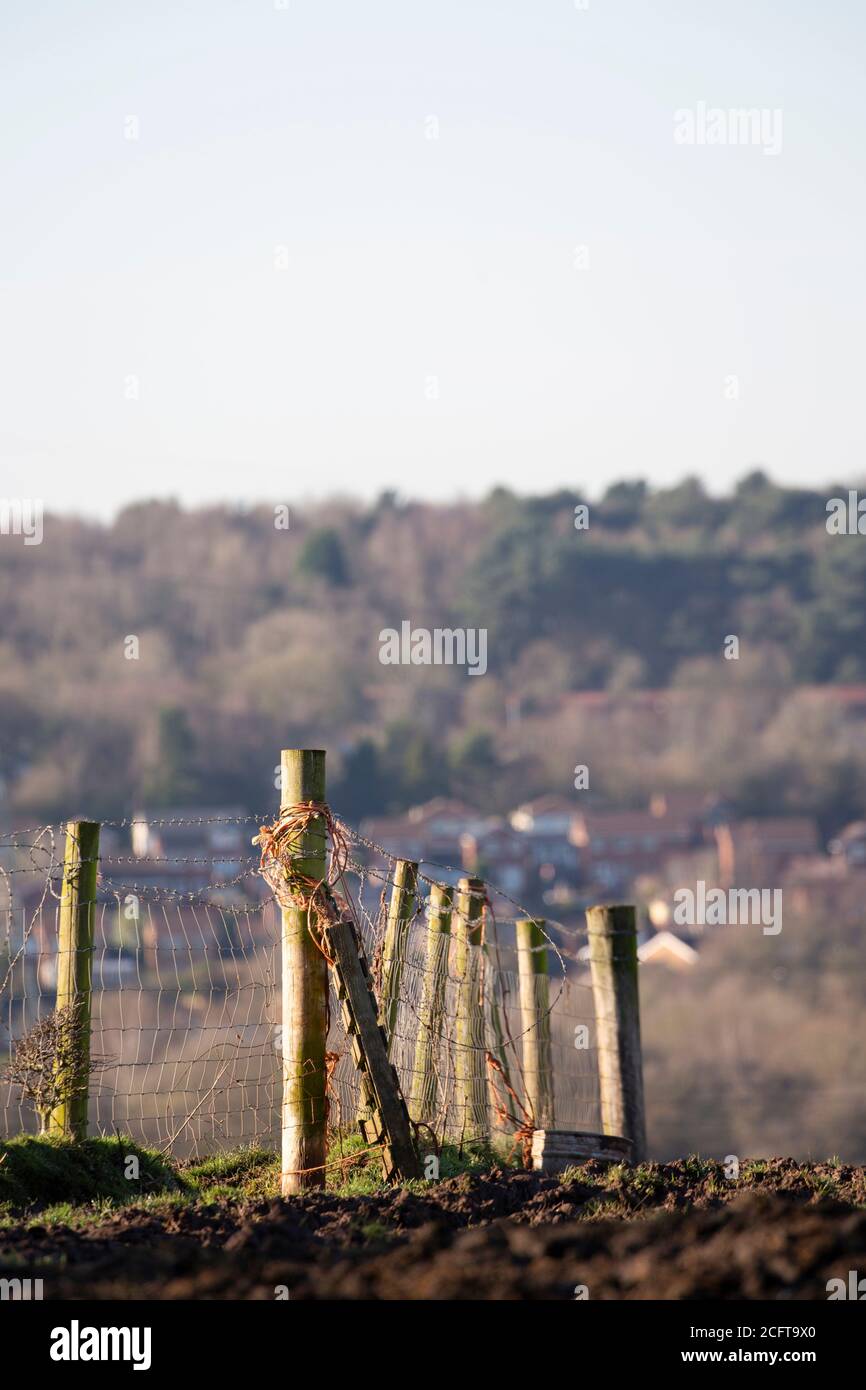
{"x":75,"y":974}
{"x":535,"y":1020}
{"x":386,"y":1120}
{"x":613,"y":961}
{"x":432,"y":1010}
{"x":496,"y":993}
{"x":401,"y":910}
{"x":470,"y":1066}
{"x":304,"y":990}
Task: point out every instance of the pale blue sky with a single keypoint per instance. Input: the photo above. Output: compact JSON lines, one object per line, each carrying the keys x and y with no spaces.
{"x":410,"y":258}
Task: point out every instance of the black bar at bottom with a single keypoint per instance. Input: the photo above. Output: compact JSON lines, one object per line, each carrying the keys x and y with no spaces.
{"x":222,"y":1339}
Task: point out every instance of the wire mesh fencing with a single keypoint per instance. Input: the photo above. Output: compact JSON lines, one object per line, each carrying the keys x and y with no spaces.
{"x":186,"y":997}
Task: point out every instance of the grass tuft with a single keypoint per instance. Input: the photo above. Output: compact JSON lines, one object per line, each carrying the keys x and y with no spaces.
{"x":247,"y":1173}
{"x":362,"y":1174}
{"x":44,"y":1171}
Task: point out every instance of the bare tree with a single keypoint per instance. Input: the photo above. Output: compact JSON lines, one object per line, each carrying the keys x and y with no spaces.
{"x":44,"y":1061}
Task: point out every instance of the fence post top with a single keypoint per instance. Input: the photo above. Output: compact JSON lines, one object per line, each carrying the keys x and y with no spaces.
{"x":443,"y":892}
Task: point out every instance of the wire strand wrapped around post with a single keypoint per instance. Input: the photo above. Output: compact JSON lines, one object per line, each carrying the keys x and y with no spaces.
{"x":318,"y":932}
{"x":285,"y":846}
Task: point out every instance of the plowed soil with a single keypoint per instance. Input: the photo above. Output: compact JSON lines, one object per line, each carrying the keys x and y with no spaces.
{"x":657,"y":1232}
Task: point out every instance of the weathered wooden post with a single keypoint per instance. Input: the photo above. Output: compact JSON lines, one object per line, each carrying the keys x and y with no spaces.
{"x":305,"y":988}
{"x":535,"y":1020}
{"x":469,"y":1061}
{"x":432,"y":1010}
{"x":496,"y":993}
{"x":613,"y":961}
{"x":386,"y":1119}
{"x":75,"y":975}
{"x":401,"y":910}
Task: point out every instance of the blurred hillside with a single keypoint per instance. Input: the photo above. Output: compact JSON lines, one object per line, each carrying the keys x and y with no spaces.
{"x":252,"y":638}
{"x":758,"y":1050}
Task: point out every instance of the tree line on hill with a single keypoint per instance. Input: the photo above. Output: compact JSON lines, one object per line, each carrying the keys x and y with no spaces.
{"x":252,"y":636}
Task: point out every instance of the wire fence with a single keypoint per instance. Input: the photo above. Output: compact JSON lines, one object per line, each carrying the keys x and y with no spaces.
{"x":186,"y":962}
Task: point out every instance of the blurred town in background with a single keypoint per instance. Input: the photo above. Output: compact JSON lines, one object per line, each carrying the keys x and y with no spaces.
{"x":152,"y":668}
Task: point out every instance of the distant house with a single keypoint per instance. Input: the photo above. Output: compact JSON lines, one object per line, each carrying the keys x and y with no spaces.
{"x":754,"y":853}
{"x":181,"y":830}
{"x":664,"y":948}
{"x":499,"y":854}
{"x":433,"y":831}
{"x":546,"y":825}
{"x":617,"y":846}
{"x":546,"y":815}
{"x":395,"y":835}
{"x":189,"y":849}
{"x":701,"y":809}
{"x":443,"y":820}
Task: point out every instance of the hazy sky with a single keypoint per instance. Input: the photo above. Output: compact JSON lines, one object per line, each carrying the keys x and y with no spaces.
{"x":344,"y":252}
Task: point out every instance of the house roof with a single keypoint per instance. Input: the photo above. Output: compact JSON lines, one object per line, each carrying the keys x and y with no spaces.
{"x":551,"y":804}
{"x":779,"y":831}
{"x":666,"y":943}
{"x":386,"y":831}
{"x":602,"y":825}
{"x":443,"y":806}
{"x":664,"y":804}
{"x":525,"y":818}
{"x":498,"y":837}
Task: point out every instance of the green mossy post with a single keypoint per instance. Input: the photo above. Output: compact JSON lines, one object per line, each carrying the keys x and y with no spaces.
{"x":535,"y":1020}
{"x":613,"y":961}
{"x":470,"y":1067}
{"x":75,"y":971}
{"x":424,"y":1081}
{"x":305,"y":991}
{"x":401,"y":910}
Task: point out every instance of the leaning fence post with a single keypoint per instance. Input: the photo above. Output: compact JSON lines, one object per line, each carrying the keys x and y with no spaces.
{"x":75,"y":975}
{"x":304,"y":989}
{"x":401,"y":910}
{"x":470,"y":1072}
{"x":535,"y":1020}
{"x":432,"y":1010}
{"x":613,"y":961}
